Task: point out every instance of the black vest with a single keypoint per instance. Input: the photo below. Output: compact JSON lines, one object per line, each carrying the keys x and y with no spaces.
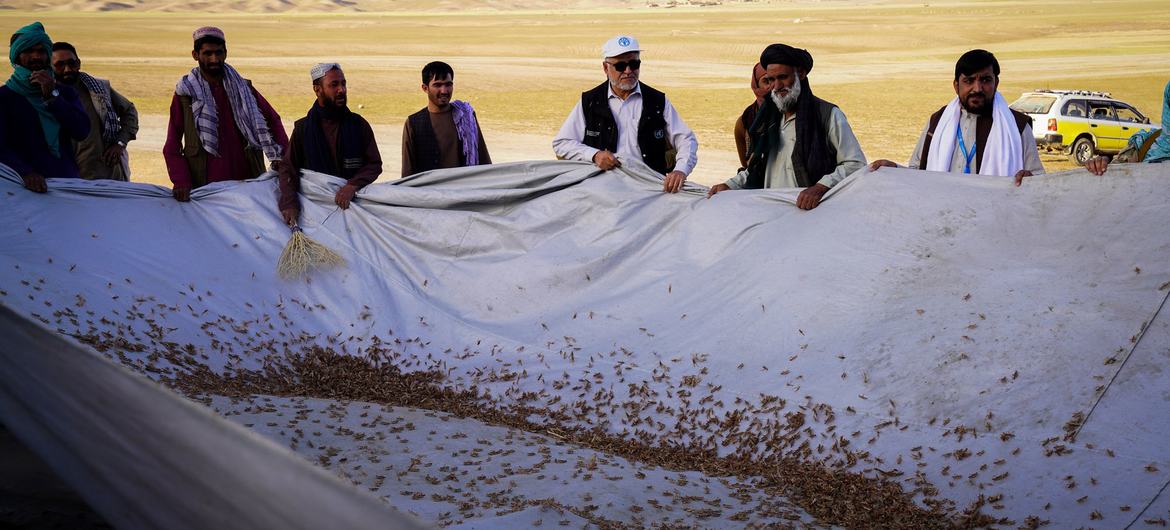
{"x":350,"y":148}
{"x":601,"y":129}
{"x":758,"y":167}
{"x":982,"y":130}
{"x":426,"y":146}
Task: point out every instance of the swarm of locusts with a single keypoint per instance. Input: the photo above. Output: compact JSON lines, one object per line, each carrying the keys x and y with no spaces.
{"x":783,"y":456}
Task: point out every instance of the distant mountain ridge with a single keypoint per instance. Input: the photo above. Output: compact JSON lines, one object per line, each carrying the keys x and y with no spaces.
{"x":280,"y":6}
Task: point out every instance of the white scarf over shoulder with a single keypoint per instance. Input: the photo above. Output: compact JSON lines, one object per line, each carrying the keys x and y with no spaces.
{"x":1004,"y":153}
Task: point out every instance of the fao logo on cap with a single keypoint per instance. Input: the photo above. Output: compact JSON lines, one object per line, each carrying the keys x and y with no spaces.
{"x":624,"y":41}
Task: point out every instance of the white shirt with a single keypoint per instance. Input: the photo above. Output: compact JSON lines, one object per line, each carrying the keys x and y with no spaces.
{"x":967,"y":128}
{"x":626,"y":113}
{"x":779,"y":171}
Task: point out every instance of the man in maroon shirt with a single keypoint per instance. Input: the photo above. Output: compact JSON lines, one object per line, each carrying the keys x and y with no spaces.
{"x":220,"y":127}
{"x":330,"y":140}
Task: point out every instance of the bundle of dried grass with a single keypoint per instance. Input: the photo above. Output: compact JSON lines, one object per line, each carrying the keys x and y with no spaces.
{"x":302,"y":255}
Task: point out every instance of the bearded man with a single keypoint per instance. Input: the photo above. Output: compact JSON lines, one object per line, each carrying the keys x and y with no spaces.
{"x":113,"y":120}
{"x":330,"y":139}
{"x":39,"y":118}
{"x":623,"y":117}
{"x":798,"y":140}
{"x":220,"y":127}
{"x":976,"y":133}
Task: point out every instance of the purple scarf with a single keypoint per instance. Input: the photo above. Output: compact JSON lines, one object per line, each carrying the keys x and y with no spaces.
{"x":468,"y":131}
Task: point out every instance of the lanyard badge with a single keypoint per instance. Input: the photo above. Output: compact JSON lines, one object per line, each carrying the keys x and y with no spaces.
{"x":963,"y":146}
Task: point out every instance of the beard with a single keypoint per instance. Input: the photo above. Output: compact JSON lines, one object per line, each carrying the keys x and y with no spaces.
{"x":337,"y":102}
{"x":68,"y":79}
{"x":787,"y":102}
{"x":624,"y":85}
{"x":981,"y":109}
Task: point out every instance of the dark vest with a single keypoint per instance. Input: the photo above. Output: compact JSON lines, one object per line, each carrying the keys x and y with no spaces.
{"x":350,"y":151}
{"x":197,"y":156}
{"x":758,"y":168}
{"x":748,"y":117}
{"x":601,"y":128}
{"x":982,"y":130}
{"x":426,"y":146}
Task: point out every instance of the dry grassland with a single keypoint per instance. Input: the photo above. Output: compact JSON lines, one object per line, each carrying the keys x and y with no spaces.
{"x":887,"y":64}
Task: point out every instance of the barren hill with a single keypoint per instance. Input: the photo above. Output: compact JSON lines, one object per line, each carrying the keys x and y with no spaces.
{"x":280,"y":6}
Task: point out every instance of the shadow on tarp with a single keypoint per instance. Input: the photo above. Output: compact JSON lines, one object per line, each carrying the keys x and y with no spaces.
{"x":144,"y":457}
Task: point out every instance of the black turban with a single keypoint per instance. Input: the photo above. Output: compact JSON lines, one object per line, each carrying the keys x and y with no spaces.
{"x":812,"y":148}
{"x":785,"y":54}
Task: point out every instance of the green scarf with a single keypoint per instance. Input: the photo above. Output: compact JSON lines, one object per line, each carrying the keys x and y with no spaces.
{"x":26,"y":38}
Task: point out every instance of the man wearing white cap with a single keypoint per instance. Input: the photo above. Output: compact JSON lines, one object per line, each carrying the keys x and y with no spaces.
{"x":220,"y":128}
{"x":628,"y":119}
{"x":330,"y":140}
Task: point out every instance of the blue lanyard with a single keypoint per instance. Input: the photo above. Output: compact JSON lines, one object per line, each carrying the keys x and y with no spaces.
{"x":963,"y":145}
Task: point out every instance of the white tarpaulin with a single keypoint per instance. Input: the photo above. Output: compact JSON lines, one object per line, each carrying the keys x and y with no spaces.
{"x":944,"y":331}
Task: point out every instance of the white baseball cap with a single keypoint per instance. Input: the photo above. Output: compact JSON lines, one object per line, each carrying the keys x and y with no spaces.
{"x":619,"y":45}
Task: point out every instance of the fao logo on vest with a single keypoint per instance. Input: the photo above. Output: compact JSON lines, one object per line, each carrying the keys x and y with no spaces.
{"x":659,"y":134}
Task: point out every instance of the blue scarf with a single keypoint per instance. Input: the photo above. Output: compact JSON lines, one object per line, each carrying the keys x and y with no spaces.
{"x":1160,"y":151}
{"x":20,"y":82}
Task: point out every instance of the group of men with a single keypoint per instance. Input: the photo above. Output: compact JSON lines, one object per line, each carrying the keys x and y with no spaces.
{"x":222,"y":128}
{"x":56,"y":120}
{"x":65,"y":123}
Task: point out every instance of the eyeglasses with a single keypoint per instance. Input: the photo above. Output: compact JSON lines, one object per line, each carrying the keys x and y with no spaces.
{"x":69,"y":62}
{"x":621,"y":66}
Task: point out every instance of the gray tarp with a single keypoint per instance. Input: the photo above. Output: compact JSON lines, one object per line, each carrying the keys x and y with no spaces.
{"x":952,"y":325}
{"x":144,"y":457}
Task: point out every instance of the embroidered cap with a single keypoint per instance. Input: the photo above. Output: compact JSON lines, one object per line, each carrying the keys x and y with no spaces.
{"x":208,"y":31}
{"x":619,"y":45}
{"x":320,"y":69}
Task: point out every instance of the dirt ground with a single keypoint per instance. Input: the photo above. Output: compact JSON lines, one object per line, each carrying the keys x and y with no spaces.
{"x":887,"y":64}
